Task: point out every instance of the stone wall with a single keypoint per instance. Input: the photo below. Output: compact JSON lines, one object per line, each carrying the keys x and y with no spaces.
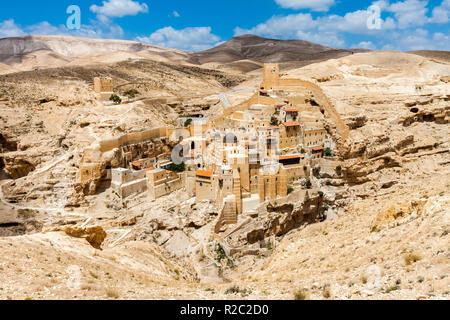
{"x":164,"y":189}
{"x":110,"y":144}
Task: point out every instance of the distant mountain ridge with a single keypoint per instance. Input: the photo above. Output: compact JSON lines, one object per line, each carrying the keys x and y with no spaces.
{"x":37,"y":52}
{"x":250,"y":47}
{"x":243,"y":53}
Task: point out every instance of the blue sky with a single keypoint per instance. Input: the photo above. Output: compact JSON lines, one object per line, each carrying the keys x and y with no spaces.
{"x":200,"y":24}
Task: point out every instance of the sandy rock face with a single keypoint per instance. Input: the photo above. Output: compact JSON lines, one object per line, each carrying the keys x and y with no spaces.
{"x":94,"y":235}
{"x":398,"y":211}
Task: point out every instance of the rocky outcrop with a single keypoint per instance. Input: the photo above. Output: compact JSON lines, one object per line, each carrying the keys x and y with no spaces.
{"x":94,"y":235}
{"x":359,"y":172}
{"x":17,"y":165}
{"x":398,"y":211}
{"x":278,"y":219}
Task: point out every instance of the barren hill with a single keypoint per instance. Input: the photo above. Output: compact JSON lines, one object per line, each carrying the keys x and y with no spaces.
{"x":240,"y":54}
{"x":266,"y":50}
{"x":31,"y":52}
{"x":433,"y":54}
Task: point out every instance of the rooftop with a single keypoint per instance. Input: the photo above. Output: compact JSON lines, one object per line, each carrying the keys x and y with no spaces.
{"x":292,"y":156}
{"x":203,"y":173}
{"x":291,"y":124}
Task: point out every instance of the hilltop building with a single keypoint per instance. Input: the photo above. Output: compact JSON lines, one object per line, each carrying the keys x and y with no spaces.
{"x":103,"y":87}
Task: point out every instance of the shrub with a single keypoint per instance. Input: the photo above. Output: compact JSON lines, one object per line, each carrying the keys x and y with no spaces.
{"x":112,"y":293}
{"x":364,"y":279}
{"x":233,"y":289}
{"x":392,"y":288}
{"x":115,"y":98}
{"x":320,"y":194}
{"x":220,"y":253}
{"x":131,"y":93}
{"x":303,"y":151}
{"x":411,"y":258}
{"x":290,"y":190}
{"x":308,"y":184}
{"x":326,"y":293}
{"x":300,"y":294}
{"x":328,"y":152}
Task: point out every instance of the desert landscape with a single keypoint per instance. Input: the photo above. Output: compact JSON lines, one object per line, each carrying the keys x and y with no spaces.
{"x":93,"y":206}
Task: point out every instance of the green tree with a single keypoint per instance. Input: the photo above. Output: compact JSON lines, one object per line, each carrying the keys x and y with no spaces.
{"x":188,"y":122}
{"x":308,"y":183}
{"x":115,"y":98}
{"x":177,"y":167}
{"x":274,"y":121}
{"x":328,"y":152}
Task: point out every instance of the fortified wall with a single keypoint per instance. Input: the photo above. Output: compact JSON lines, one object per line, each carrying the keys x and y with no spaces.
{"x":130,"y":138}
{"x":272,"y":81}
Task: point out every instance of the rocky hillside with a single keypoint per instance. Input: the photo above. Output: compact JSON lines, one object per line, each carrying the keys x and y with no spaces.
{"x":250,"y":47}
{"x":37,"y":52}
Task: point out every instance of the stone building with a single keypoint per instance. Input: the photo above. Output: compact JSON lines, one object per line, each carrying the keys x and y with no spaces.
{"x":204,"y":186}
{"x":126,"y":182}
{"x":103,"y":87}
{"x":290,"y":134}
{"x":314,"y":137}
{"x":289,"y":114}
{"x":162,"y":182}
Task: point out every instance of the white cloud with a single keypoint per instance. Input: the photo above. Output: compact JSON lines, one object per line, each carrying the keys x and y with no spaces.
{"x":95,"y":30}
{"x":409,"y":13}
{"x":176,"y":14}
{"x":327,"y":30}
{"x":441,"y":13}
{"x":284,"y":27}
{"x":119,"y":8}
{"x":330,"y":39}
{"x":189,"y":39}
{"x":353,"y":22}
{"x":314,"y":5}
{"x":9,"y":28}
{"x":365,"y":45}
{"x":420,"y":39}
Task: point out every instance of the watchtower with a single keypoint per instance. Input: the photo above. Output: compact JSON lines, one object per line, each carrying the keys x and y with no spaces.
{"x":271,"y":76}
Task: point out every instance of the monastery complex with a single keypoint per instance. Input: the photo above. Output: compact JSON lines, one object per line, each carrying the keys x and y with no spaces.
{"x":254,"y":152}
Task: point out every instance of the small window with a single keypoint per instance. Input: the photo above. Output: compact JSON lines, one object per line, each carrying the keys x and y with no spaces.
{"x":201,"y":184}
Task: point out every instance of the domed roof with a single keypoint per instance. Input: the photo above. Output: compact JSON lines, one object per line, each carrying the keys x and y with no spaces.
{"x":230,"y":138}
